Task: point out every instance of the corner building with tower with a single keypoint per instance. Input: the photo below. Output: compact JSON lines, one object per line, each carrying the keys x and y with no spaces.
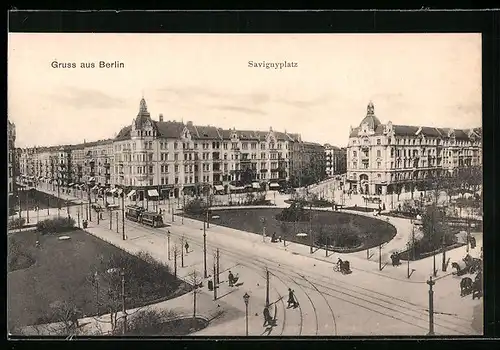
{"x":383,"y":156}
{"x":158,"y":158}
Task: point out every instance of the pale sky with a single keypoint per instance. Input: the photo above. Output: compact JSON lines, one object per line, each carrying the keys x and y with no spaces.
{"x":416,"y":79}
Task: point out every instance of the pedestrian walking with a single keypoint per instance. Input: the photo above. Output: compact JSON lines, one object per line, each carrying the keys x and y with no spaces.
{"x":187,"y":247}
{"x":230,"y":279}
{"x":291,"y":298}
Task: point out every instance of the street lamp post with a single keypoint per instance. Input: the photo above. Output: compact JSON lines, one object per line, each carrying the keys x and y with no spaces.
{"x":430,"y":282}
{"x":246,"y":298}
{"x":122,"y":274}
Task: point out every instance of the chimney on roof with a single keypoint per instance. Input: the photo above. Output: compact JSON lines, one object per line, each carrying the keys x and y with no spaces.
{"x":161,"y":117}
{"x":190,"y":123}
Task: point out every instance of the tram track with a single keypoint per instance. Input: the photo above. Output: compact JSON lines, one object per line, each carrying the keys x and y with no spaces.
{"x":318,"y":280}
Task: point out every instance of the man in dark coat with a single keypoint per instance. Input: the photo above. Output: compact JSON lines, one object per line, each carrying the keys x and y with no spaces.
{"x":291,"y":298}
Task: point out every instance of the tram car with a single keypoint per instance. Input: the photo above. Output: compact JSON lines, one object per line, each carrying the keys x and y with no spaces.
{"x":151,"y":219}
{"x":133,"y":212}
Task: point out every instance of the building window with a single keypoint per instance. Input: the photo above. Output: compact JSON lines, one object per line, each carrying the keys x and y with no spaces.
{"x":378,"y":153}
{"x":378,"y":141}
{"x":354,"y":153}
{"x":378,"y":165}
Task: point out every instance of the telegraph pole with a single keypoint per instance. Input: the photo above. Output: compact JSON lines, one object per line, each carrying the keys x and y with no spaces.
{"x":182,"y":252}
{"x":117,"y":226}
{"x":111,"y":220}
{"x":168,"y":245}
{"x":215,"y":283}
{"x":310,"y":229}
{"x":175,"y":261}
{"x":208,"y":216}
{"x":28,"y":209}
{"x":123,"y":215}
{"x":408,"y":260}
{"x":430,"y":282}
{"x":267,"y":287}
{"x":204,"y":250}
{"x":218,"y":266}
{"x":380,"y":257}
{"x":326,"y":247}
{"x":90,"y":209}
{"x":183,"y":206}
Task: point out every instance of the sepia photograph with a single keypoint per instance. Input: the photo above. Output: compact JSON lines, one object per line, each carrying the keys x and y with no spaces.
{"x":260,"y":185}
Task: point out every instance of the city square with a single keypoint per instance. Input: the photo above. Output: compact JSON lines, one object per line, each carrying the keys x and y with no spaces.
{"x":276,"y":230}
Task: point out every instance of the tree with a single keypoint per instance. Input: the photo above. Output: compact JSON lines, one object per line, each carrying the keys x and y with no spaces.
{"x":398,"y":188}
{"x":126,"y":281}
{"x":435,"y":229}
{"x":196,"y":282}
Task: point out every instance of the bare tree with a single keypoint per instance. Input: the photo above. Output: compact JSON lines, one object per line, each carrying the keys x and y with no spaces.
{"x":196,"y":282}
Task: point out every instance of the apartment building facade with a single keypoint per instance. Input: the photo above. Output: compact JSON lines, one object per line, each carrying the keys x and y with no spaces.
{"x":380,"y":156}
{"x":336,"y":160}
{"x":307,"y":163}
{"x":11,"y":162}
{"x":168,"y":158}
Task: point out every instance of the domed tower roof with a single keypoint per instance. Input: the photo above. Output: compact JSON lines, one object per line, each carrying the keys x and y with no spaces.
{"x":370,"y":118}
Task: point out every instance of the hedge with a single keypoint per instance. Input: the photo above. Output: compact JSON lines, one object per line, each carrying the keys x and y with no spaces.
{"x":55,"y":225}
{"x":16,"y":223}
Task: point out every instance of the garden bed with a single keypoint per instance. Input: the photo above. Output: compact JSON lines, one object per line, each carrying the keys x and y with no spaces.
{"x":63,"y":272}
{"x":425,"y":254}
{"x":176,"y":327}
{"x":327,"y":226}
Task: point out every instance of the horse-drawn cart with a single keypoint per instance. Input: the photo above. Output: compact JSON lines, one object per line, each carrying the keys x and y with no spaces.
{"x":467,"y":265}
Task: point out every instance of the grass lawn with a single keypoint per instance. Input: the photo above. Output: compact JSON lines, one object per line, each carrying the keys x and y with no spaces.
{"x":371,"y":231}
{"x":43,"y":200}
{"x":60,"y":272}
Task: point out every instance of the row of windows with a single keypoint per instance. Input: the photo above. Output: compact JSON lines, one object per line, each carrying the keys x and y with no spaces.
{"x":425,"y":141}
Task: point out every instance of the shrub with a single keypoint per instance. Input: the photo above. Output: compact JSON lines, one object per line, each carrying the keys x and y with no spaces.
{"x":196,"y":207}
{"x":293,"y":213}
{"x":16,"y":223}
{"x":346,"y":240}
{"x":55,"y":225}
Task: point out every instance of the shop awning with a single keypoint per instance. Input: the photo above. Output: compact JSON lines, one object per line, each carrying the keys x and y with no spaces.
{"x":219,"y":188}
{"x":92,"y":179}
{"x":232,"y":188}
{"x":131,"y":193}
{"x":274,"y":185}
{"x":256,"y":185}
{"x":153,"y":193}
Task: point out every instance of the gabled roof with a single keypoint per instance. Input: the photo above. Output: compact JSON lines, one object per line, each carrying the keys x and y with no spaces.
{"x":203,"y":132}
{"x":429,"y":131}
{"x":169,"y":129}
{"x":124,"y":133}
{"x":461,"y":134}
{"x":405,"y":130}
